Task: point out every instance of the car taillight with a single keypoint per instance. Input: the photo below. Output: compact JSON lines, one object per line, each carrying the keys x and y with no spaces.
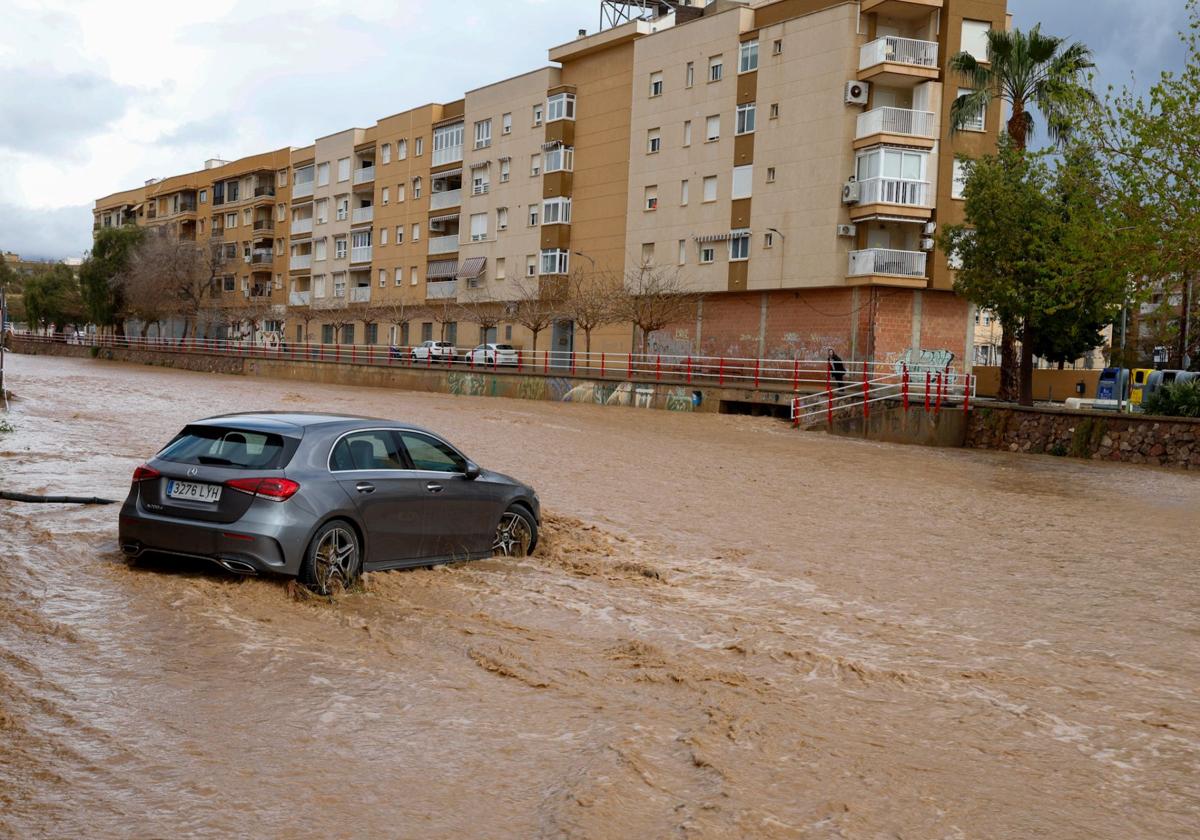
{"x":144,"y":473}
{"x":275,"y":489}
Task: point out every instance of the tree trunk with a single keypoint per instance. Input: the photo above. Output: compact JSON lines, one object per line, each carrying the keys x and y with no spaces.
{"x":1027,"y":365}
{"x":1008,"y":365}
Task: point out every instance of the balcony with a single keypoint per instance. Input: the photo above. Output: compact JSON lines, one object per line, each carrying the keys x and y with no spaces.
{"x":302,"y":190}
{"x":300,"y":226}
{"x":895,"y":192}
{"x":259,"y":290}
{"x":441,"y":289}
{"x":884,"y":262}
{"x":443,"y":244}
{"x":900,"y":123}
{"x":901,"y":9}
{"x":360,"y":294}
{"x":450,"y":154}
{"x":364,"y":175}
{"x":300,"y":261}
{"x":362,"y":215}
{"x":262,"y":258}
{"x":300,"y":298}
{"x":259,"y":192}
{"x":264,"y":226}
{"x":360,"y":254}
{"x":217,"y":232}
{"x":447,"y":198}
{"x":898,"y":61}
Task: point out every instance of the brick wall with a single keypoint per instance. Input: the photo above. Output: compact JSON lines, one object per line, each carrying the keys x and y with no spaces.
{"x":944,"y":323}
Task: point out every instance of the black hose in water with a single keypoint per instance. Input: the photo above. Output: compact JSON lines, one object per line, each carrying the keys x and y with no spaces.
{"x":56,"y":500}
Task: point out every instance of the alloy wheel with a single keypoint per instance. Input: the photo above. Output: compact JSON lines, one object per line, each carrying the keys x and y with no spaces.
{"x":513,"y":536}
{"x":335,"y":560}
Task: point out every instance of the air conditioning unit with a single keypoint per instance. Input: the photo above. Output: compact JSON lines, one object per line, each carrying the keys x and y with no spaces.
{"x":927,"y":244}
{"x":847,"y":230}
{"x":851,"y":192}
{"x":929,"y":228}
{"x":857,"y":93}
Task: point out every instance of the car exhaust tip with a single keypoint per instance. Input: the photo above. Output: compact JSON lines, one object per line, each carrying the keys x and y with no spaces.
{"x":131,"y":549}
{"x":236,"y":566}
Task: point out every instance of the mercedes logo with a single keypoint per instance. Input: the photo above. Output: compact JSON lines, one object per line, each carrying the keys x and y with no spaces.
{"x":193,"y":472}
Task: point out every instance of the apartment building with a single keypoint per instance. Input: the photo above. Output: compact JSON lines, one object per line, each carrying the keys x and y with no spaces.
{"x":790,"y":160}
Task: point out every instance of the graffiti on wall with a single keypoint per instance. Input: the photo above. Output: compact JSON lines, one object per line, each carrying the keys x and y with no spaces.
{"x":932,"y":359}
{"x":467,"y":384}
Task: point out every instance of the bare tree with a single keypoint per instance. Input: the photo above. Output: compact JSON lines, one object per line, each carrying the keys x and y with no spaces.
{"x":483,"y":310}
{"x":336,"y":312}
{"x":532,"y":310}
{"x":442,"y":312}
{"x":185,"y":271}
{"x":592,"y":301}
{"x":146,"y":299}
{"x":306,"y":314}
{"x":395,"y":311}
{"x":654,"y":297}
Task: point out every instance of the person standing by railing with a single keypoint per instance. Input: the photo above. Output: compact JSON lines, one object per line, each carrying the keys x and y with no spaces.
{"x":837,"y":368}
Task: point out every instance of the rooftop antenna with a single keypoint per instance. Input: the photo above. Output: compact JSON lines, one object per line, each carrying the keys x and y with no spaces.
{"x":613,"y":13}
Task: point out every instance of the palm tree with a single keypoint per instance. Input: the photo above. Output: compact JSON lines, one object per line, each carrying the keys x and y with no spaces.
{"x":1026,"y":71}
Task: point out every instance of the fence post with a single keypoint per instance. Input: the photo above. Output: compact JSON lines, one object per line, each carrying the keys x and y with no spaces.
{"x":601,"y":364}
{"x":904,"y":387}
{"x":927,"y":381}
{"x":629,"y":365}
{"x":545,"y":362}
{"x":866,"y":394}
{"x":829,"y":402}
{"x":757,"y":369}
{"x":572,"y":362}
{"x":658,"y":367}
{"x":721,"y":372}
{"x":967,"y":396}
{"x":520,"y":360}
{"x":938,"y":405}
{"x":689,"y":370}
{"x":796,"y":374}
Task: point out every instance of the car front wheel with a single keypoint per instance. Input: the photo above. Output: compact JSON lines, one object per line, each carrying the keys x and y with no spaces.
{"x":516,"y":535}
{"x":333,"y":561}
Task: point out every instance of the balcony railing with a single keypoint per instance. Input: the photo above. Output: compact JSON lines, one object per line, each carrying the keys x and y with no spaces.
{"x":364,"y":175}
{"x":299,"y":261}
{"x":443,"y":244}
{"x":299,"y":190}
{"x":259,"y":192}
{"x":894,"y":191}
{"x":302,"y":226}
{"x":360,"y":254}
{"x":362,"y":214}
{"x":262,"y":258}
{"x":264,"y":225}
{"x":360,"y":294}
{"x":258,"y":290}
{"x":186,"y":207}
{"x":447,"y":198}
{"x":886,"y":261}
{"x":899,"y":51}
{"x":897,"y":121}
{"x":450,"y":154}
{"x":300,"y":298}
{"x":441,"y":289}
{"x":480,"y":189}
{"x":217,"y":232}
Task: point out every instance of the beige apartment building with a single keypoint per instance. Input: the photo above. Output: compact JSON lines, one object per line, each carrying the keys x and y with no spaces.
{"x":789,"y":160}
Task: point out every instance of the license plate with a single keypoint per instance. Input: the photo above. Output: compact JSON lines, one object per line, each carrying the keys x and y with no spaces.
{"x":194,"y":491}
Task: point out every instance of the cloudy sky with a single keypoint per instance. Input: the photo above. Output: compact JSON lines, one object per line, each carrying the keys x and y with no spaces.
{"x":99,"y":96}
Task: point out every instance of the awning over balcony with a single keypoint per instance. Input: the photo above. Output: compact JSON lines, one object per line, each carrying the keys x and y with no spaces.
{"x":712,"y":237}
{"x":442,"y":270}
{"x":449,"y":173}
{"x":472,"y":268}
{"x":483,"y":164}
{"x":436,"y":219}
{"x":553,"y":144}
{"x":135,"y":208}
{"x":881,"y":217}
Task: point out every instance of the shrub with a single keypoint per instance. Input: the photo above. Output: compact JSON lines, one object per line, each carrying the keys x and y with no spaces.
{"x":1179,"y":400}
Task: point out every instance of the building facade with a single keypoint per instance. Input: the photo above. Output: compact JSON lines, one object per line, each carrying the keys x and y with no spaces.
{"x":789,"y":161}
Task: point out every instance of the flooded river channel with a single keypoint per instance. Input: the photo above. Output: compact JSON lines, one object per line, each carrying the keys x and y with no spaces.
{"x":731,"y":630}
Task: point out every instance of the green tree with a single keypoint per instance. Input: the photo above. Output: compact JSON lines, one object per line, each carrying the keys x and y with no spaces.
{"x":100,"y":276}
{"x":52,"y":299}
{"x":1026,"y":71}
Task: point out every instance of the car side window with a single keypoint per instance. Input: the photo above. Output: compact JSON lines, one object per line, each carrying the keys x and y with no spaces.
{"x":375,"y":450}
{"x":431,"y":455}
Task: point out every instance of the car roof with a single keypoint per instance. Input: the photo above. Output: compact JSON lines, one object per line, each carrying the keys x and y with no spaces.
{"x":291,"y":422}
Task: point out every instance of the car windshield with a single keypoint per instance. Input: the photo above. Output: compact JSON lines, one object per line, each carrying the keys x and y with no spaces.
{"x":226,"y":447}
{"x":504,"y":347}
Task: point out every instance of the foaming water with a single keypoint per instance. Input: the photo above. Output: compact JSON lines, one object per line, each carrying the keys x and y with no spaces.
{"x":730,"y":630}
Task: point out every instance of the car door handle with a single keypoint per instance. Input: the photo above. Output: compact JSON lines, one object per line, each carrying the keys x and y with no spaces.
{"x":433,"y":487}
{"x":365,"y":487}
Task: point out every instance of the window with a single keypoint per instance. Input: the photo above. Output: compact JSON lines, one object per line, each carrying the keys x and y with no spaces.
{"x":322,"y":174}
{"x":399,"y":193}
{"x":479,"y":180}
{"x":561,"y":106}
{"x":348,"y":334}
{"x":401,"y":150}
{"x":716,"y":68}
{"x":229,"y":283}
{"x":399,"y":234}
{"x":413,"y":277}
{"x":280,"y":212}
{"x":371,"y":331}
{"x":479,"y":227}
{"x":561,"y":159}
{"x":385,"y":153}
{"x":687,"y":133}
{"x":501,"y":218}
{"x":531,"y":266}
{"x":398,"y":278}
{"x":683,"y":193}
{"x":746,"y":117}
{"x":691,"y":73}
{"x":653,"y":141}
{"x":975,"y":122}
{"x":656,"y":83}
{"x":777,"y":49}
{"x":339,"y":249}
{"x":448,"y":143}
{"x":712,"y":128}
{"x":556,"y":211}
{"x":383,"y":235}
{"x":743,"y":181}
{"x":320,"y":249}
{"x":682,"y":259}
{"x":281,"y":177}
{"x":231,"y":190}
{"x":533,"y":215}
{"x":707,"y":254}
{"x":556,"y":261}
{"x":326,"y":332}
{"x":416,"y":188}
{"x":382,"y":284}
{"x":204,"y":196}
{"x":892,"y":176}
{"x":385,"y":196}
{"x":419,"y":147}
{"x":739,"y":246}
{"x":431,"y":455}
{"x":958,"y":184}
{"x":506,"y":124}
{"x":647,"y":253}
{"x":366,"y":451}
{"x":247,"y":217}
{"x":505,"y":170}
{"x":339,"y":284}
{"x":343,"y":209}
{"x":975,"y":38}
{"x":537,"y":115}
{"x":500,"y":268}
{"x":651,"y":198}
{"x":231,"y":251}
{"x":748,"y":56}
{"x":231,"y":220}
{"x":427,"y":331}
{"x":770,"y":174}
{"x":483,"y":134}
{"x":322,"y":210}
{"x":710,"y":188}
{"x":416,"y":232}
{"x":318,"y":286}
{"x":535,"y":165}
{"x":768,"y":240}
{"x":774,"y":110}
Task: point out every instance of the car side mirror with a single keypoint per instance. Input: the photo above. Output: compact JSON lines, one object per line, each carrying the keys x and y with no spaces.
{"x":472,"y":471}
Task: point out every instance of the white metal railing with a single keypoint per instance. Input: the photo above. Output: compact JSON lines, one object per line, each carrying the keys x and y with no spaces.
{"x":364,"y":175}
{"x":362,"y":214}
{"x":905,"y":121}
{"x":360,"y":253}
{"x":899,"y":51}
{"x":444,"y":199}
{"x":894,"y":191}
{"x":301,"y":190}
{"x":887,"y":261}
{"x":302,"y":226}
{"x":443,"y":244}
{"x":441,"y":289}
{"x":481,"y":189}
{"x":450,"y":154}
{"x":851,"y":393}
{"x":300,"y":298}
{"x":360,"y":294}
{"x":299,"y":261}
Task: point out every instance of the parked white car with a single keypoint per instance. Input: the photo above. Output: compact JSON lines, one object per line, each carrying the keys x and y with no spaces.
{"x":492,"y":354}
{"x":434,"y":351}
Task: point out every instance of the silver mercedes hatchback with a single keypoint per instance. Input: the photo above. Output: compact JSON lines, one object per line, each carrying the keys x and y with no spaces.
{"x":322,"y":497}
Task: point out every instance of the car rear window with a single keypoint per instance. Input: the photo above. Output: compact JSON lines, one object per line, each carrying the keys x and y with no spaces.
{"x":504,"y":347}
{"x":218,"y":446}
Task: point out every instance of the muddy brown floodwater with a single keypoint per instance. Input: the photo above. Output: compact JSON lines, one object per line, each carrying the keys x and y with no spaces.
{"x":732,"y":630}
